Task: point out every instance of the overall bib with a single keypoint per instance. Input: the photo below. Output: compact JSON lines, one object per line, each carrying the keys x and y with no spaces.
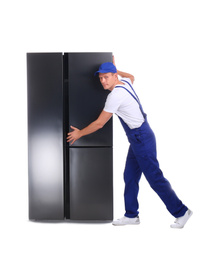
{"x":142,"y":158}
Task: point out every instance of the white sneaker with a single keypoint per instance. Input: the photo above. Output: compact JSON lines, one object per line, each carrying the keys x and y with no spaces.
{"x":126,"y":221}
{"x":181,"y":221}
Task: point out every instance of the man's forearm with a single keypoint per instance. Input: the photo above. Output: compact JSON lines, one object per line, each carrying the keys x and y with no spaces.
{"x":125,"y":75}
{"x":77,"y":133}
{"x":97,"y":124}
{"x":93,"y":127}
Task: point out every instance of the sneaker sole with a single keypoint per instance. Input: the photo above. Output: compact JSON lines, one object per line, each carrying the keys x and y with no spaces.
{"x":179,"y":227}
{"x":125,"y":224}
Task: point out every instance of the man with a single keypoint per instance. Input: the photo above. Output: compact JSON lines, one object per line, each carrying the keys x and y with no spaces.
{"x":123,"y":101}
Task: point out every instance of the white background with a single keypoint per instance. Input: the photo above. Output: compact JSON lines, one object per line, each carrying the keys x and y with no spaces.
{"x":170,"y":48}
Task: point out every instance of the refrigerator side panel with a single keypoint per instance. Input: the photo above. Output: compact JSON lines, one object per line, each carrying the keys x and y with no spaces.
{"x":45,"y":136}
{"x":91,"y":182}
{"x":87,"y":96}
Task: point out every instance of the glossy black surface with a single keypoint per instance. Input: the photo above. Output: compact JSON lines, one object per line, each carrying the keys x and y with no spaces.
{"x":91,"y":184}
{"x":67,"y":182}
{"x":45,"y":136}
{"x":87,"y":96}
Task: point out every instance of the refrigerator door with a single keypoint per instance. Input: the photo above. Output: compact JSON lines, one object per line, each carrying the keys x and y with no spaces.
{"x":91,"y":184}
{"x":45,"y":135}
{"x":87,"y":96}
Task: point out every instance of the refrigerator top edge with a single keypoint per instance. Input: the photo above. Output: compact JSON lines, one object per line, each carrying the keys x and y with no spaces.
{"x":84,"y":52}
{"x":57,"y":52}
{"x":66,"y":52}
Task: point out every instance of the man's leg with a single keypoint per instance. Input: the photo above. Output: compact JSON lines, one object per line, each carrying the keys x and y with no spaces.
{"x":132,"y":174}
{"x":145,"y":151}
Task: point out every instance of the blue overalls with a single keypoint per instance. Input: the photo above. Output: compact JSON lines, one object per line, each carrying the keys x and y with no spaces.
{"x":142,"y":157}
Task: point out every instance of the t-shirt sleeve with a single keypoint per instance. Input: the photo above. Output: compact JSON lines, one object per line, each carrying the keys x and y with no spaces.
{"x":128,"y":80}
{"x":115,"y":98}
{"x":113,"y":102}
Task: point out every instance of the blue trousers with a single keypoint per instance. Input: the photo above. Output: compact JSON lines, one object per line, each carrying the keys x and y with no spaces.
{"x":142,"y":158}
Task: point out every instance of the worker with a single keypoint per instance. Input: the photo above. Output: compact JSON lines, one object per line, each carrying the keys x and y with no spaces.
{"x":124,"y":102}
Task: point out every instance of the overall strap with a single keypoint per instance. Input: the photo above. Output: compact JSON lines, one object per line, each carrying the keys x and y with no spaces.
{"x":129,"y":93}
{"x":131,"y":88}
{"x":134,"y":96}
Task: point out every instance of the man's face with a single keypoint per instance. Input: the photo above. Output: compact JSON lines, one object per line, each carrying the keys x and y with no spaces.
{"x":108,"y":80}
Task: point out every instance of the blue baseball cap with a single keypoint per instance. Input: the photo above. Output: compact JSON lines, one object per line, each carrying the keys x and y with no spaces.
{"x":106,"y":68}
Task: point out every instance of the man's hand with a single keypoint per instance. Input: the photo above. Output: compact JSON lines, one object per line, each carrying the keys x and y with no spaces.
{"x":123,"y":74}
{"x":93,"y":127}
{"x":74,"y":135}
{"x":114,"y":60}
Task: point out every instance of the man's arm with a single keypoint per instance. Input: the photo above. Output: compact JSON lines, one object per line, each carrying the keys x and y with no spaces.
{"x":124,"y":74}
{"x":93,"y":127}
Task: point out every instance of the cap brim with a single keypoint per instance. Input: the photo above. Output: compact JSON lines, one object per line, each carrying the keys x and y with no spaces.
{"x":100,"y":71}
{"x":104,"y":71}
{"x":96,"y":73}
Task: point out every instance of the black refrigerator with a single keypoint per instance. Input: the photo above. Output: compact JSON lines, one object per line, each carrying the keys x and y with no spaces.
{"x":68,"y":182}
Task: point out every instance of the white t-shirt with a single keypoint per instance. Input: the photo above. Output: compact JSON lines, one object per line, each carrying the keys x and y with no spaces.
{"x":121,"y":103}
